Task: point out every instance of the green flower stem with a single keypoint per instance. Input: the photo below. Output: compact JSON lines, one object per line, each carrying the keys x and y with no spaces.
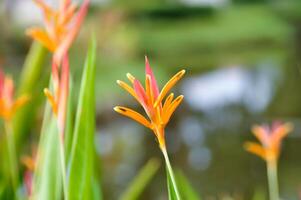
{"x":172,"y":176}
{"x":273,"y":180}
{"x":12,"y":156}
{"x":63,"y":166}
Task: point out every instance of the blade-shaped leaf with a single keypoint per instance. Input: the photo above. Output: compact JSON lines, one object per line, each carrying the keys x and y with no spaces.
{"x":186,"y":189}
{"x":138,"y":185}
{"x":31,"y":75}
{"x":47,"y":177}
{"x":82,"y":152}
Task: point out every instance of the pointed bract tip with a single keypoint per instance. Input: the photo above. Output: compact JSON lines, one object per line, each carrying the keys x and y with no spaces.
{"x":118,"y":82}
{"x":46,"y":91}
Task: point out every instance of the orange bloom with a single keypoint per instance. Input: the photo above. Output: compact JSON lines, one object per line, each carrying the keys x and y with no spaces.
{"x":151,"y":100}
{"x":61,"y":26}
{"x":8,"y":106}
{"x":270,"y":139}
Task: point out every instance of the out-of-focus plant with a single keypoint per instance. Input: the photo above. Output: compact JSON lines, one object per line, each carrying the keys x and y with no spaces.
{"x":8,"y":107}
{"x":159,"y":114}
{"x":270,"y":138}
{"x":61,"y":27}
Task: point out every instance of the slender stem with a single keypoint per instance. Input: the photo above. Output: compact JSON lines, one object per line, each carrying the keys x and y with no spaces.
{"x":12,"y":156}
{"x":171,"y":172}
{"x":273,"y":180}
{"x":63,"y":166}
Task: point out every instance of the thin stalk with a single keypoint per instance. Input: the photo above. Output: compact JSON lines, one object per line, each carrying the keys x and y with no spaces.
{"x":273,"y":180}
{"x":12,"y":156}
{"x":169,"y":168}
{"x":63,"y":166}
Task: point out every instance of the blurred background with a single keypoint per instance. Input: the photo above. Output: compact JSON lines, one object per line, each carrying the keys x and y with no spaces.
{"x":243,"y":68}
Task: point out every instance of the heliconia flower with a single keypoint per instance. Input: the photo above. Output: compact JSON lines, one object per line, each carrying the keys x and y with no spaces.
{"x":151,"y":100}
{"x":61,"y":26}
{"x":270,"y":139}
{"x":8,"y":105}
{"x":59,"y":98}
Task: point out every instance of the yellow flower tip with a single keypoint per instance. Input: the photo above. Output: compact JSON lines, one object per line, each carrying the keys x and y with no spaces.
{"x":118,"y":82}
{"x":51,"y":100}
{"x":288,"y":127}
{"x":117,"y":108}
{"x":130,"y":77}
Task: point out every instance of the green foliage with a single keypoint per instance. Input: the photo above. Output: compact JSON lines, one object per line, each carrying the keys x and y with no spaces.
{"x":33,"y":69}
{"x":186,"y":189}
{"x":47,"y":179}
{"x":82,"y":152}
{"x":140,"y":182}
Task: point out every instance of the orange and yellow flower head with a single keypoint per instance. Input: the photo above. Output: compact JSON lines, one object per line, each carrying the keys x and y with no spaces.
{"x":61,"y":26}
{"x":8,"y":106}
{"x":270,"y":139}
{"x":151,"y":99}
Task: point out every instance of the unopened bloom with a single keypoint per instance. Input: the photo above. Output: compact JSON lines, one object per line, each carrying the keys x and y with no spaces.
{"x":270,"y":139}
{"x":151,"y":99}
{"x":8,"y":105}
{"x":61,"y":26}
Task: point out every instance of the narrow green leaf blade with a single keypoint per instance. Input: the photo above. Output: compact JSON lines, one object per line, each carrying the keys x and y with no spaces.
{"x":82,"y":152}
{"x":186,"y":189}
{"x":140,"y":182}
{"x":47,"y":177}
{"x":31,"y":74}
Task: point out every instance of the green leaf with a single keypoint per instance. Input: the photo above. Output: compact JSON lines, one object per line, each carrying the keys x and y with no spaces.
{"x":259,"y":194}
{"x":82,"y":152}
{"x":47,"y":178}
{"x":31,"y":75}
{"x":138,"y":185}
{"x":186,"y":189}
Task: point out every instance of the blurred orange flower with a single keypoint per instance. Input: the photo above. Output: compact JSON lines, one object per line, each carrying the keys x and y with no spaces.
{"x":151,"y":100}
{"x":270,"y":138}
{"x":8,"y":106}
{"x":60,"y":26}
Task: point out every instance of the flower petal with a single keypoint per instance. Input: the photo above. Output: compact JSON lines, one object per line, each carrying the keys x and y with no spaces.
{"x":128,"y":89}
{"x":171,"y":109}
{"x":20,"y":102}
{"x":130,"y":77}
{"x":66,"y":43}
{"x":168,"y":86}
{"x":255,"y":149}
{"x":154,"y":85}
{"x":42,"y":37}
{"x":63,"y":95}
{"x":280,"y":132}
{"x":262,"y":134}
{"x":51,"y":100}
{"x":140,"y":93}
{"x":167,"y":102}
{"x":133,"y":115}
